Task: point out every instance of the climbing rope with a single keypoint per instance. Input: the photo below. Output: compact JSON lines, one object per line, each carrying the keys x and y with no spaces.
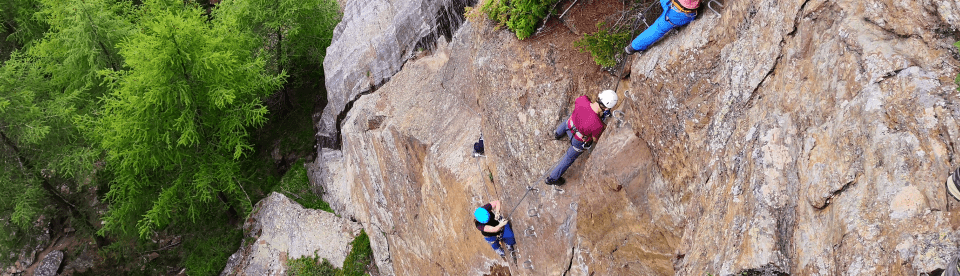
{"x":529,"y":188}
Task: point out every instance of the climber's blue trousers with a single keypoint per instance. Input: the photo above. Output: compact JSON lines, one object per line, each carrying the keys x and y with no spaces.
{"x":507,"y":237}
{"x":574,"y":151}
{"x":669,"y":19}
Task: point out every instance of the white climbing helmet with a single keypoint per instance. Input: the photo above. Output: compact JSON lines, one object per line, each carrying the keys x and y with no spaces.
{"x":608,"y":98}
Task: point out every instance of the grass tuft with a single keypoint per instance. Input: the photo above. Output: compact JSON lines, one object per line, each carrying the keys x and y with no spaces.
{"x":356,"y":263}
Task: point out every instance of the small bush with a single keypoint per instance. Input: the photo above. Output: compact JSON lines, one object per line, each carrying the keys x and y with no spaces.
{"x":604,"y":45}
{"x":520,"y":16}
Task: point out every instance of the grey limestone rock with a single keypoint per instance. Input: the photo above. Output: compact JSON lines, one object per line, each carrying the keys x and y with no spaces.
{"x":282,"y":230}
{"x":371,"y":44}
{"x":50,"y":264}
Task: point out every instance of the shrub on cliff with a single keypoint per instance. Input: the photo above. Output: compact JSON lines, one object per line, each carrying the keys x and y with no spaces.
{"x":604,"y":45}
{"x":520,"y":16}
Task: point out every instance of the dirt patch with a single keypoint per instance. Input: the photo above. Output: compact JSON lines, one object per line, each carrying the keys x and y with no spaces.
{"x":581,"y":18}
{"x":498,"y":270}
{"x":79,"y":253}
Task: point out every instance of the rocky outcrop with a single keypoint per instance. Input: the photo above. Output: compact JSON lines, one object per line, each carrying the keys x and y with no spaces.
{"x":282,"y":230}
{"x":380,"y":37}
{"x":780,"y":137}
{"x":50,"y":264}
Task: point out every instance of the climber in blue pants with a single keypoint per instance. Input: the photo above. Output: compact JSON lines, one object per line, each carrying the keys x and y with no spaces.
{"x":494,"y":230}
{"x":676,"y":13}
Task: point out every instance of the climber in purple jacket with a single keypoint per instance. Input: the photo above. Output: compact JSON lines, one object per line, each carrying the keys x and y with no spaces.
{"x":676,"y":13}
{"x":584,"y":128}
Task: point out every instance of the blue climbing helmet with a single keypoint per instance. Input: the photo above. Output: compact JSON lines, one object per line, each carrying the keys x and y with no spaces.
{"x":482,"y":215}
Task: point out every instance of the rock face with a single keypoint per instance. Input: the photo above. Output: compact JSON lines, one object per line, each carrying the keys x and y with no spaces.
{"x":781,"y":137}
{"x":807,"y":137}
{"x":283,"y":230}
{"x":380,"y":37}
{"x":50,"y":264}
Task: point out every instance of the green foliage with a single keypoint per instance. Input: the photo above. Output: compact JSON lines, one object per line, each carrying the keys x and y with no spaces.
{"x":360,"y":256}
{"x":82,"y":40}
{"x":202,"y":248}
{"x":22,"y":206}
{"x":17,"y":21}
{"x":296,"y":185}
{"x":46,"y":89}
{"x":37,"y":142}
{"x":154,"y":101}
{"x":497,"y":10}
{"x":28,"y":110}
{"x":290,"y":130}
{"x":295,"y":33}
{"x":207,"y":254}
{"x":315,"y":266}
{"x":176,"y":123}
{"x":520,"y":16}
{"x":354,"y":265}
{"x":604,"y":45}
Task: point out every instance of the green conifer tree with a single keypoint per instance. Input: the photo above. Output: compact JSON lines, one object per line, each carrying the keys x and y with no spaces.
{"x":176,"y":122}
{"x":48,"y":89}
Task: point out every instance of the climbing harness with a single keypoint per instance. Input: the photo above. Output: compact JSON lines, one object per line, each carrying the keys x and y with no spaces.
{"x":576,"y":133}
